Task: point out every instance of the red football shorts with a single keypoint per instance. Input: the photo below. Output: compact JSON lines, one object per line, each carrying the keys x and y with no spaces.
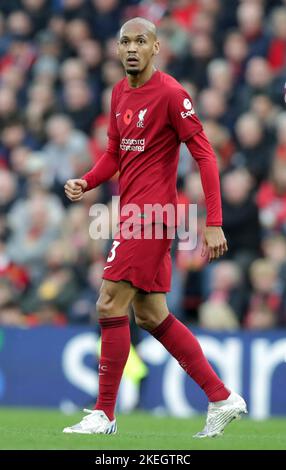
{"x":145,"y":262}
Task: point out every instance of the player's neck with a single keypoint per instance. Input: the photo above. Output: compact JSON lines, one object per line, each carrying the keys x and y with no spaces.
{"x":136,"y":81}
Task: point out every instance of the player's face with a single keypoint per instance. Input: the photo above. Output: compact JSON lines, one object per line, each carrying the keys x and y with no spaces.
{"x":136,"y":48}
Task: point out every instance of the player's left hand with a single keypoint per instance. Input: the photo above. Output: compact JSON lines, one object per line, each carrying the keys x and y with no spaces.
{"x":214,"y":243}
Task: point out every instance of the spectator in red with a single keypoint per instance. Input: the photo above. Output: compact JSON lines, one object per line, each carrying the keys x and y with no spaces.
{"x":265,"y":299}
{"x":277,"y":49}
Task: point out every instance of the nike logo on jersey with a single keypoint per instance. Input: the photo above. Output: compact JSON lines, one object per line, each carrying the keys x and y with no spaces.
{"x":117,"y":114}
{"x":107,"y":267}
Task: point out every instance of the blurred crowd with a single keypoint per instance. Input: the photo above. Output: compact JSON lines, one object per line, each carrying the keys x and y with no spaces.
{"x":58,"y":65}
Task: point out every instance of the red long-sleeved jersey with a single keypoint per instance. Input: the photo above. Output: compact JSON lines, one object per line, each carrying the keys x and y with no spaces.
{"x":147,"y":125}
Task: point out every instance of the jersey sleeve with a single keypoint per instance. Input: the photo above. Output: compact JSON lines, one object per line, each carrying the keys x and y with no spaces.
{"x":105,"y":168}
{"x":204,"y":155}
{"x":112,"y":131}
{"x":182,"y":114}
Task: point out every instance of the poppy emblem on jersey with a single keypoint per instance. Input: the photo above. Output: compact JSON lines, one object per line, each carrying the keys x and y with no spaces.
{"x":127,"y":116}
{"x":141,"y":115}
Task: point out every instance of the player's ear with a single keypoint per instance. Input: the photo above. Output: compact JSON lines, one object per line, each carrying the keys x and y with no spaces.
{"x":156,"y":48}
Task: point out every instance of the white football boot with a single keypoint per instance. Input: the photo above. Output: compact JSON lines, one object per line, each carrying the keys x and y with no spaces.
{"x":221,"y":413}
{"x":96,"y":422}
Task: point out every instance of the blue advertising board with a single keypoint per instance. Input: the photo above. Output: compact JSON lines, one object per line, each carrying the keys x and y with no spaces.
{"x":57,"y":367}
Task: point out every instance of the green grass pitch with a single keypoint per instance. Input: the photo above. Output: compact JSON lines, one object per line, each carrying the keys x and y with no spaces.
{"x":42,"y":429}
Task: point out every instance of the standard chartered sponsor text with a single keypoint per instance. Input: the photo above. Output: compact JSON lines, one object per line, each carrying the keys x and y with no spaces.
{"x":133,"y":145}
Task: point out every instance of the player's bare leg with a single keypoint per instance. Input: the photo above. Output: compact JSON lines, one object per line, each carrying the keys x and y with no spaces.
{"x":112,"y":308}
{"x":150,"y":310}
{"x":114,"y":299}
{"x":151,"y":313}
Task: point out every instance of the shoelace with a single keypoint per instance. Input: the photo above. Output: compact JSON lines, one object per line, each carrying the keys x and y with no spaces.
{"x":212,"y":416}
{"x":90,"y":415}
{"x":209,"y":424}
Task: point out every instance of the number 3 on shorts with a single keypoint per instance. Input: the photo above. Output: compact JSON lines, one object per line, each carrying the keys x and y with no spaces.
{"x":112,"y":255}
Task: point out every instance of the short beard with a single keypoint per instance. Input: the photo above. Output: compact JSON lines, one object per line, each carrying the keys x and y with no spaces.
{"x":132,"y":71}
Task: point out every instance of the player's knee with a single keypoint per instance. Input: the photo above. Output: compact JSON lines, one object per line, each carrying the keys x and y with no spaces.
{"x":104,"y":307}
{"x":146,"y":322}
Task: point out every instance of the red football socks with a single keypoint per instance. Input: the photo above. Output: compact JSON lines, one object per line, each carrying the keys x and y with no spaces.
{"x":115,"y":346}
{"x":184,"y":347}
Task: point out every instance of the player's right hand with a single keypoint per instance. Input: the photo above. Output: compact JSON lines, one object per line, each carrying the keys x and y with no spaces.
{"x":75,"y":188}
